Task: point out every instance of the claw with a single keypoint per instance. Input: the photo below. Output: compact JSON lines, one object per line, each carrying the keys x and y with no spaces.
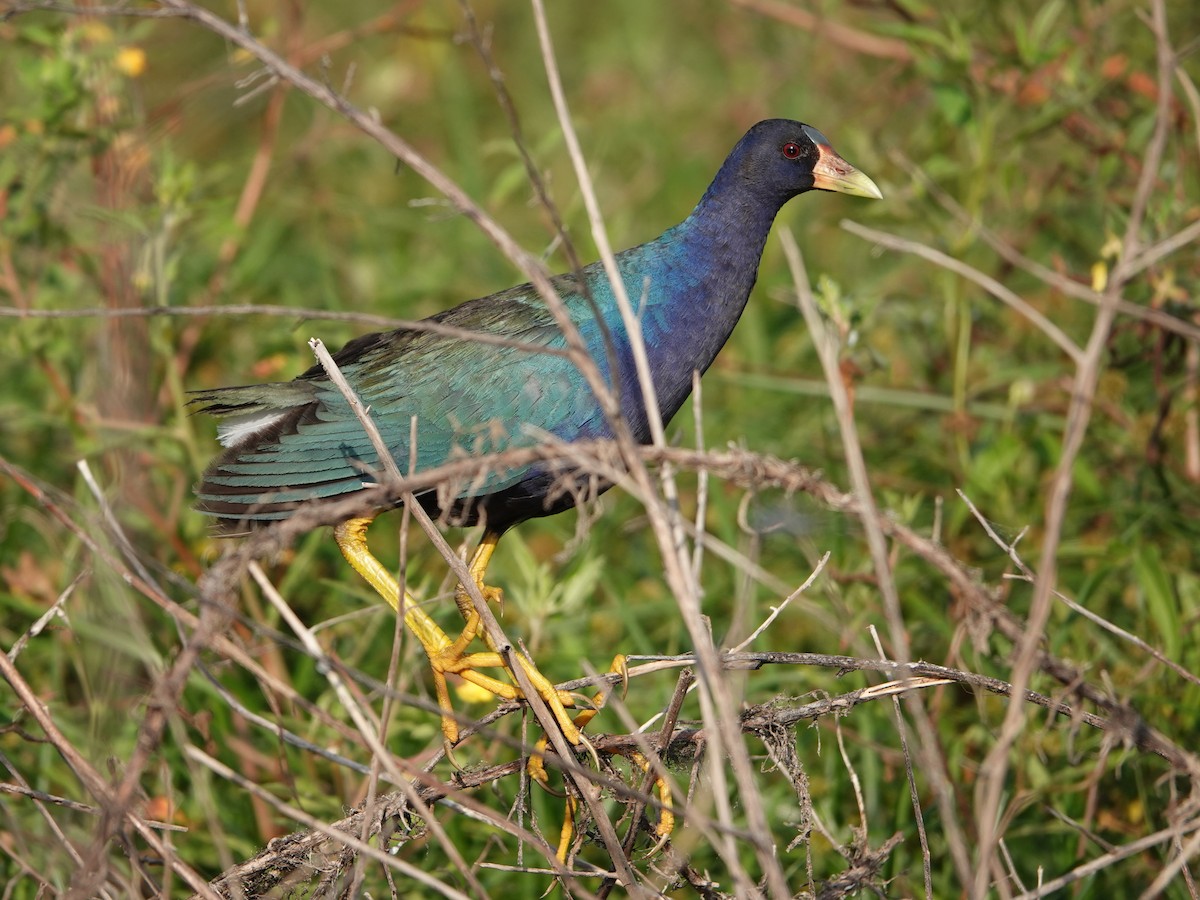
{"x":448,"y":749}
{"x":666,"y":816}
{"x":621,"y":664}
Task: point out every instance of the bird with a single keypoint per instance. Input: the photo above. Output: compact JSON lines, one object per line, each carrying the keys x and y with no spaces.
{"x":434,"y":394}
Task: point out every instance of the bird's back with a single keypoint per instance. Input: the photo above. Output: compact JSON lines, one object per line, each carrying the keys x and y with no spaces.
{"x":298,"y":441}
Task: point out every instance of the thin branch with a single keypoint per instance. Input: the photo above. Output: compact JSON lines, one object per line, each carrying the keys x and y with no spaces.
{"x":1173,"y":867}
{"x":345,"y":837}
{"x":1125,"y":851}
{"x":678,"y":742}
{"x":509,"y":107}
{"x":994,"y":771}
{"x":299,"y":313}
{"x":55,"y":611}
{"x":989,"y":284}
{"x":913,"y":793}
{"x":843,"y":36}
{"x":1027,"y":574}
{"x":94,"y":783}
{"x":869,"y":514}
{"x":1060,"y":282}
{"x":715,"y":699}
{"x":137,"y":12}
{"x":369,"y":730}
{"x":1168,"y":245}
{"x":777,"y":610}
{"x":699,"y":532}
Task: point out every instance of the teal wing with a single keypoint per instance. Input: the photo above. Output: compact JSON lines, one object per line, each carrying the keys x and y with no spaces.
{"x":299,"y":441}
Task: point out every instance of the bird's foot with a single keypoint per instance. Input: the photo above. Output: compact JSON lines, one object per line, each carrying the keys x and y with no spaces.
{"x":449,"y":660}
{"x":536,"y":766}
{"x":666,"y":815}
{"x":494,"y":596}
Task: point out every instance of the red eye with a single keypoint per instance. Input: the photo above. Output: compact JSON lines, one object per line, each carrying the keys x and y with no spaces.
{"x":791,"y":150}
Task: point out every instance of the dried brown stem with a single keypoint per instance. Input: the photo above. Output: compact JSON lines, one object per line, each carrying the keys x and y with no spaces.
{"x":679,"y":744}
{"x":994,"y":771}
{"x":848,"y":38}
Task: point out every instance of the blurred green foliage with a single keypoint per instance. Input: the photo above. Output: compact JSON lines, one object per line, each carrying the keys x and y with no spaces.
{"x":143,"y":162}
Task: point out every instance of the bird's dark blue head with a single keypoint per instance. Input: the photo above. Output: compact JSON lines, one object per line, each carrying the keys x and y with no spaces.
{"x":778,"y":159}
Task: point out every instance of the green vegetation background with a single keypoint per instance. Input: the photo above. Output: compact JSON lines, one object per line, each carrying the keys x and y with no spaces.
{"x":127,"y":145}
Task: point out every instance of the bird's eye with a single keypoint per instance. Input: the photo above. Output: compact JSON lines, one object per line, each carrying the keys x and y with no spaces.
{"x":791,"y":150}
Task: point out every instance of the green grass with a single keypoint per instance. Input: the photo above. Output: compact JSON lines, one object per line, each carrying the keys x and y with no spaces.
{"x":120,"y":187}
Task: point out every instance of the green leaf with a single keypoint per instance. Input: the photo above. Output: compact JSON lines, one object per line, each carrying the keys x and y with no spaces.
{"x":1159,"y":595}
{"x":953,"y":103}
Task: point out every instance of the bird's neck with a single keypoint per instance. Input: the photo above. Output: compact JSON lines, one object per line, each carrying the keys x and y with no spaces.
{"x":725,"y":235}
{"x":716,"y":258}
{"x":695,"y":284}
{"x":736,"y":201}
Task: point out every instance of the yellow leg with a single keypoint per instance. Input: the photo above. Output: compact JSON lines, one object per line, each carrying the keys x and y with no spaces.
{"x":537,"y":771}
{"x":536,"y":767}
{"x":462,"y":598}
{"x":568,"y":830}
{"x":447,"y":656}
{"x":666,"y":817}
{"x":557,"y":700}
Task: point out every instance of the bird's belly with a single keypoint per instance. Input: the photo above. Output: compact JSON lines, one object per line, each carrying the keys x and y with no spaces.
{"x":542,"y":490}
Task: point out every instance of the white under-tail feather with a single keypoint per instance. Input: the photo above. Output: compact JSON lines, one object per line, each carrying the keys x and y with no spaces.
{"x":232,"y":430}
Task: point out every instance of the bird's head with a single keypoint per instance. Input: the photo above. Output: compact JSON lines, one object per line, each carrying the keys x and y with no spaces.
{"x":781,"y":158}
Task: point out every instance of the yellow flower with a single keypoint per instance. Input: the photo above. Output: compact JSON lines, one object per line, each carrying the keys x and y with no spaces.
{"x":131,"y":61}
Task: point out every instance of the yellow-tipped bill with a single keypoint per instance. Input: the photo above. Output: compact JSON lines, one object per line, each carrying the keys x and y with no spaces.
{"x":832,"y":173}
